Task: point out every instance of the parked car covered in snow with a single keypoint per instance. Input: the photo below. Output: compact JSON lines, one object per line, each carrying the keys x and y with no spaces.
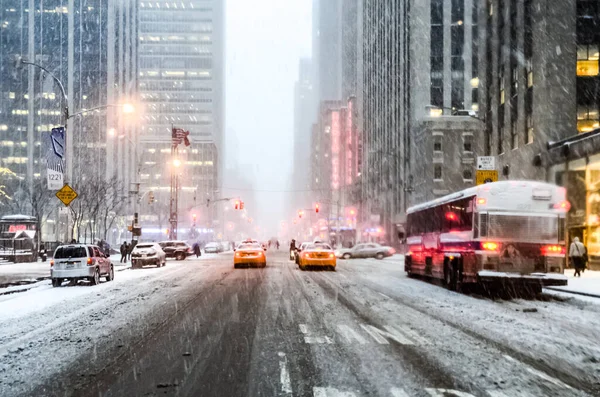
{"x":179,"y":250}
{"x":148,"y":254}
{"x":80,"y":262}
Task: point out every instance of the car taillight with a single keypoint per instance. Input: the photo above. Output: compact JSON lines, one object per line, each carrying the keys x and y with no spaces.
{"x":490,"y":246}
{"x":307,"y":255}
{"x":52,"y":263}
{"x":553,"y":249}
{"x":563,"y":205}
{"x":481,"y":201}
{"x":238,"y":254}
{"x":89,"y":261}
{"x":331,"y":255}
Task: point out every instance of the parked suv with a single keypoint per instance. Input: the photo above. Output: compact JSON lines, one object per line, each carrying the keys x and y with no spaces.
{"x":80,"y":262}
{"x":148,"y":254}
{"x":176,"y":249}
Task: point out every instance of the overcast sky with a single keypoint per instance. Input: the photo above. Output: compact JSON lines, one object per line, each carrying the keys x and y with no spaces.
{"x":265,"y":40}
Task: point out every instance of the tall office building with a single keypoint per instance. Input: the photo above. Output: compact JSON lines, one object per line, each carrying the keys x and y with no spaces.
{"x":78,"y":41}
{"x":181,"y":83}
{"x":417,"y":86}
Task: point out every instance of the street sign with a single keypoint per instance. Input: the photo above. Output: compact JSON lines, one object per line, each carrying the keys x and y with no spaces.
{"x":487,"y":176}
{"x":486,"y":163}
{"x":66,"y":195}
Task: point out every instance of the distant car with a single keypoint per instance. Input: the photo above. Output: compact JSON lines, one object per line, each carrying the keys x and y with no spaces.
{"x":297,"y":253}
{"x":148,"y":254}
{"x":80,"y":262}
{"x":366,"y":250}
{"x":317,"y":254}
{"x":213,"y":248}
{"x":249,"y":254}
{"x":179,"y":250}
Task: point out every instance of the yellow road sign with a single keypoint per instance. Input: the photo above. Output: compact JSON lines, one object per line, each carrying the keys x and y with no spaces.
{"x":486,"y":176}
{"x":66,"y":195}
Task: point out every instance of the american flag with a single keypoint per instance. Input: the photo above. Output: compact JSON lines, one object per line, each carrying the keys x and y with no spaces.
{"x":180,"y":136}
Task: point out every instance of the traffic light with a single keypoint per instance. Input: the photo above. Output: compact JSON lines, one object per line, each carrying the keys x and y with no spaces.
{"x":237,"y":204}
{"x":241,"y":205}
{"x":300,"y":213}
{"x":317,"y":208}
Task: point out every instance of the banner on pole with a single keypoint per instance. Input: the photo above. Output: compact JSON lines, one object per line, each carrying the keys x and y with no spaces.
{"x":53,"y":147}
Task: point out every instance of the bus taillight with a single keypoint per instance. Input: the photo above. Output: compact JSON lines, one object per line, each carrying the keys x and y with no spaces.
{"x":481,"y":201}
{"x":490,"y":246}
{"x":553,"y":249}
{"x":563,"y":205}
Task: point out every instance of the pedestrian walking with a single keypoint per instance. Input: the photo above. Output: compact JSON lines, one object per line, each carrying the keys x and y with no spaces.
{"x":123,"y":252}
{"x":578,"y":256}
{"x":196,"y":248}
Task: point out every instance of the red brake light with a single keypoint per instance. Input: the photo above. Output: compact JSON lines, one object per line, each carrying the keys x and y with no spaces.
{"x":563,"y":205}
{"x":489,"y":246}
{"x":89,"y":261}
{"x":553,"y":249}
{"x":451,"y":216}
{"x":52,"y":263}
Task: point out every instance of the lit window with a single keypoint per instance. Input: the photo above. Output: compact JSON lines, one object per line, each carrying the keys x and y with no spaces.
{"x":501,"y":84}
{"x":11,"y":95}
{"x":529,"y":129}
{"x":437,"y":172}
{"x":587,"y":60}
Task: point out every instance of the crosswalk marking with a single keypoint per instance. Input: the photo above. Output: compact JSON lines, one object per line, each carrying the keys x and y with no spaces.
{"x":331,"y":392}
{"x":390,"y":333}
{"x":397,"y":392}
{"x":447,"y":393}
{"x":318,"y":340}
{"x":350,"y":335}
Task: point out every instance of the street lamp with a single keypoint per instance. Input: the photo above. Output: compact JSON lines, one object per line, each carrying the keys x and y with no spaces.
{"x":176,"y":163}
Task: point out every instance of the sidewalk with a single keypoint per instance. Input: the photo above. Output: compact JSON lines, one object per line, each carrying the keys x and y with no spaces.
{"x":588,"y":284}
{"x":30,"y":272}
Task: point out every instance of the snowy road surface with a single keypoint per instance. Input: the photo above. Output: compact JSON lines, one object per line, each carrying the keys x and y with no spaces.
{"x":201,"y":328}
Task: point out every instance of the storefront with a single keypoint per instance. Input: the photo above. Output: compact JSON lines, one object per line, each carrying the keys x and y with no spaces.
{"x":575,"y":164}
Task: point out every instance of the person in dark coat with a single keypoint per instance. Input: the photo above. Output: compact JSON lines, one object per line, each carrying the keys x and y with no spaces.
{"x":123,"y":252}
{"x":196,"y":248}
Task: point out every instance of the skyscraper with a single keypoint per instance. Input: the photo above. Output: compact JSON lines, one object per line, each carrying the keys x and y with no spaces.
{"x":181,"y":82}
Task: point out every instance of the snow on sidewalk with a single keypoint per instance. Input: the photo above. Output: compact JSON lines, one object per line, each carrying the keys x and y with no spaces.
{"x":587,"y":284}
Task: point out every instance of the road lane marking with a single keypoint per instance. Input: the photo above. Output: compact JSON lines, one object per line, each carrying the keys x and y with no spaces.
{"x":397,"y":392}
{"x":415,"y":336}
{"x":447,"y":393}
{"x":540,"y":374}
{"x":390,"y":333}
{"x":384,"y":295}
{"x":284,"y":374}
{"x":349,"y":334}
{"x":494,"y":393}
{"x":331,"y":392}
{"x":318,"y":340}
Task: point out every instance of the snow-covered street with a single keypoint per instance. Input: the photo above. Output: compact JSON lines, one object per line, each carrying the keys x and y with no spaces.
{"x":199,"y":327}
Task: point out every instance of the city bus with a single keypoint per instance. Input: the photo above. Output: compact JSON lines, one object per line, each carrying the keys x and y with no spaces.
{"x":497,"y":234}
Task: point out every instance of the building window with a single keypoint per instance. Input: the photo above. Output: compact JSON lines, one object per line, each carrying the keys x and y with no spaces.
{"x":437,"y":143}
{"x":437,"y":172}
{"x":501,"y":84}
{"x":587,"y":118}
{"x":467,"y":174}
{"x":587,"y":60}
{"x":514,"y":138}
{"x":529,"y":71}
{"x":501,"y":130}
{"x":467,"y":143}
{"x":529,"y":134}
{"x":437,"y":53}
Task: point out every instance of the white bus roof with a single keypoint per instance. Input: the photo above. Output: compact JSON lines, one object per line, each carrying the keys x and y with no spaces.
{"x":492,"y":190}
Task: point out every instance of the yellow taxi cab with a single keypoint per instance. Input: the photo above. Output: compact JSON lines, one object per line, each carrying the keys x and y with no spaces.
{"x":249,"y":254}
{"x":317,"y":255}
